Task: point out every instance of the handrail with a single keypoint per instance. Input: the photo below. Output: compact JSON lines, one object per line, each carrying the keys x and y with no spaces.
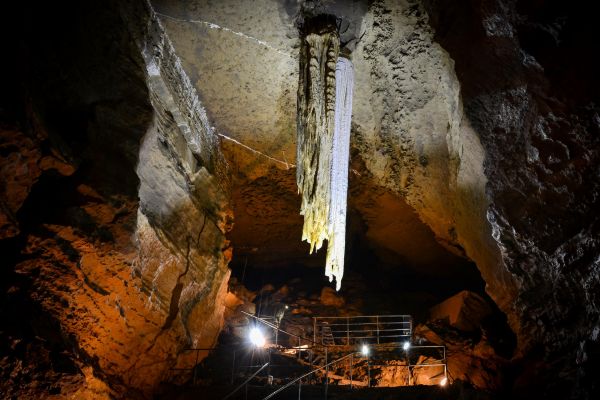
{"x":353,"y":329}
{"x":363,"y":330}
{"x":307,"y":374}
{"x":245,"y":382}
{"x":370,"y":323}
{"x":368,"y":316}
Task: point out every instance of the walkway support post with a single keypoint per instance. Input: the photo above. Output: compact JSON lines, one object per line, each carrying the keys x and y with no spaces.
{"x":369,"y":370}
{"x":351,"y":365}
{"x":326,"y":373}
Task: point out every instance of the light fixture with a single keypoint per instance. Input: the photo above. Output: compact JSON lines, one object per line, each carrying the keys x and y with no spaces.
{"x":257,"y":338}
{"x":406,"y":345}
{"x":444,"y":381}
{"x":364,"y":350}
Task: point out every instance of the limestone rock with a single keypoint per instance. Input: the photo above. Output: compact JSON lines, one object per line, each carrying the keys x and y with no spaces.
{"x":19,"y":170}
{"x":464,"y":311}
{"x":316,"y":119}
{"x":469,"y":360}
{"x":123,"y":266}
{"x":490,"y":148}
{"x":329,"y":297}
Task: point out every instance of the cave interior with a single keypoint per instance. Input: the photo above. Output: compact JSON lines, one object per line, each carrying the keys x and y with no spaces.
{"x":150,"y":211}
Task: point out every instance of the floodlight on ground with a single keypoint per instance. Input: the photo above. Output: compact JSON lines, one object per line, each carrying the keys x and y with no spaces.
{"x":364,"y":350}
{"x":406,"y":345}
{"x":257,"y":338}
{"x":444,"y":381}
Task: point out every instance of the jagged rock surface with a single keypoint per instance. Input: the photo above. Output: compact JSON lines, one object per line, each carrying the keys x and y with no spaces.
{"x":463,"y":311}
{"x":114,"y":210}
{"x":532,"y":97}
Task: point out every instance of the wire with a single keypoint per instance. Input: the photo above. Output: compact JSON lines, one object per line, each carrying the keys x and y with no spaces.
{"x":287,"y":164}
{"x":211,"y":25}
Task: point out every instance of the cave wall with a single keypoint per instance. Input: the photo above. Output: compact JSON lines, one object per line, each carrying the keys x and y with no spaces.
{"x":412,"y":135}
{"x":530,"y":90}
{"x":114,"y":205}
{"x":473,"y":115}
{"x":499,"y":158}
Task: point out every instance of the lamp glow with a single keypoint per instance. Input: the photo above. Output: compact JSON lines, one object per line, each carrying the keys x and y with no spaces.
{"x":444,"y":381}
{"x":364,"y":350}
{"x":257,"y":338}
{"x":406,"y":345}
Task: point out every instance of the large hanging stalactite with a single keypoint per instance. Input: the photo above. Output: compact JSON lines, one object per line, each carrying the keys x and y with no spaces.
{"x":316,"y":108}
{"x":344,"y":76}
{"x":324,"y":111}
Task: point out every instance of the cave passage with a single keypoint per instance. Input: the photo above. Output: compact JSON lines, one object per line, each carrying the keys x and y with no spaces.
{"x":275,"y":279}
{"x":151,"y":225}
{"x":394,"y":265}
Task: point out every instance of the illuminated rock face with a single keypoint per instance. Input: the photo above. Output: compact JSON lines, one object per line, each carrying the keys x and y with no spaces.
{"x":116,"y":211}
{"x":532,"y":98}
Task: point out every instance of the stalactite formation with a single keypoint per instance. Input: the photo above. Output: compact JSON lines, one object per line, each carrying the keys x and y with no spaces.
{"x":316,"y":108}
{"x":344,"y":77}
{"x":324,"y":112}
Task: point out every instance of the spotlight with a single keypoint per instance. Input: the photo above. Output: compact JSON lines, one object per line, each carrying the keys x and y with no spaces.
{"x":406,"y":345}
{"x":444,"y":381}
{"x":257,"y":338}
{"x":364,"y":350}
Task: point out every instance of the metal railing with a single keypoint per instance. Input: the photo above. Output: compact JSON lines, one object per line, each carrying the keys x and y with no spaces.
{"x":381,"y":331}
{"x":373,"y":329}
{"x":243,"y":384}
{"x":438,"y":359}
{"x":311,"y":347}
{"x":325,"y":368}
{"x":299,"y":379}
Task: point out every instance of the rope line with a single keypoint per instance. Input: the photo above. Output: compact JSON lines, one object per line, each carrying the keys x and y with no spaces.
{"x":287,"y":164}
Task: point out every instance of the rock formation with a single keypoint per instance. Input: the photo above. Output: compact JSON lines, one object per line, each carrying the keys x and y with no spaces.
{"x":115,"y":216}
{"x":316,"y":121}
{"x":463,"y":311}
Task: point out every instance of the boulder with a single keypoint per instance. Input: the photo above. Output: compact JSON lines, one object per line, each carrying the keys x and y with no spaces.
{"x":463,"y":311}
{"x":330,"y":298}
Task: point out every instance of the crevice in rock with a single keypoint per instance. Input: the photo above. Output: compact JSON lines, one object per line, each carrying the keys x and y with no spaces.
{"x":176,"y":294}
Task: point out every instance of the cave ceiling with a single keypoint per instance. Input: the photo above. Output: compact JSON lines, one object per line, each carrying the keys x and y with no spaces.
{"x":243,"y":60}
